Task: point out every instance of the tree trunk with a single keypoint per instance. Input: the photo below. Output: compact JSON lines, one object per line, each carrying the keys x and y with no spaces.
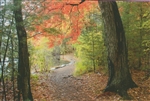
{"x":23,"y":65}
{"x":93,"y":53}
{"x":0,"y":42}
{"x":119,"y":75}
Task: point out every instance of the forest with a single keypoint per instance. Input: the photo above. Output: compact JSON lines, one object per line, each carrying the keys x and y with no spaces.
{"x":74,"y":50}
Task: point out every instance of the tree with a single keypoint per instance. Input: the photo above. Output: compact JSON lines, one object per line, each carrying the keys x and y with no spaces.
{"x":23,"y":65}
{"x":41,"y":57}
{"x":119,"y":75}
{"x":90,"y":47}
{"x":135,"y":17}
{"x":59,"y":20}
{"x":1,"y":27}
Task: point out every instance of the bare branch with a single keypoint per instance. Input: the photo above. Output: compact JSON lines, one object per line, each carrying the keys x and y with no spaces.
{"x":75,"y":4}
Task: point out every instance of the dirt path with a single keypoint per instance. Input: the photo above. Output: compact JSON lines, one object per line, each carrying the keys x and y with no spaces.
{"x":65,"y":86}
{"x":60,"y":85}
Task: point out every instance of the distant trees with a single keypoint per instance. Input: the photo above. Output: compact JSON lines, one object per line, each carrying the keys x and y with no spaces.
{"x":119,"y":75}
{"x":42,"y":58}
{"x":90,"y":46}
{"x":8,"y":50}
{"x":135,"y":17}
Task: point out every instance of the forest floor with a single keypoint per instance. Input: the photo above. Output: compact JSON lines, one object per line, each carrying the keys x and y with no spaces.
{"x":61,"y":85}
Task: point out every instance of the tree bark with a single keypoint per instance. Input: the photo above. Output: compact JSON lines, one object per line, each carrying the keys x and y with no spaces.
{"x":119,"y":75}
{"x":23,"y":65}
{"x":0,"y":42}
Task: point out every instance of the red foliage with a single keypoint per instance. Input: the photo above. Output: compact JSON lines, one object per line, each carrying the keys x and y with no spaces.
{"x":62,"y":16}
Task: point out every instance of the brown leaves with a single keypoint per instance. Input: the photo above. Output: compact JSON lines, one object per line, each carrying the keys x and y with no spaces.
{"x":96,"y":83}
{"x":88,"y":87}
{"x":141,"y":93}
{"x":41,"y":89}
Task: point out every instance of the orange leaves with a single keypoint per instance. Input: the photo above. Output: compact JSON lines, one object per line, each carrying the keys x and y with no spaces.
{"x":66,"y":9}
{"x":65,"y":20}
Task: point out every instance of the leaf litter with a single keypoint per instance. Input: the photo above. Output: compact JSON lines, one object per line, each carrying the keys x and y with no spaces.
{"x":88,"y":87}
{"x":91,"y":85}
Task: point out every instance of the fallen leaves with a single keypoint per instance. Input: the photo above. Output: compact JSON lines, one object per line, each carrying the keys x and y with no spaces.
{"x":40,"y":88}
{"x":84,"y":87}
{"x":142,"y":92}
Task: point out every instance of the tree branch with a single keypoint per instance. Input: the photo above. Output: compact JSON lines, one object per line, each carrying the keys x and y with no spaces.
{"x":76,"y":4}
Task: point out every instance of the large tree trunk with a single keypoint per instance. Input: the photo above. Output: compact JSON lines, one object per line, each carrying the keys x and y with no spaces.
{"x":119,"y":75}
{"x":23,"y":65}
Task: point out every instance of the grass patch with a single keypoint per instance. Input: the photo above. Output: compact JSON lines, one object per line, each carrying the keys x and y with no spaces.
{"x":81,"y":69}
{"x":34,"y":77}
{"x":86,"y":67}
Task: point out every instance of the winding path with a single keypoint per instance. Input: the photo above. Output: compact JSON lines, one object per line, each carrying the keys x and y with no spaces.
{"x":66,"y":87}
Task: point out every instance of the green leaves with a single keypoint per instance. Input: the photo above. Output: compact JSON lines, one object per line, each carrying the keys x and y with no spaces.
{"x":146,"y":45}
{"x":136,"y":22}
{"x":146,"y":24}
{"x":90,"y":50}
